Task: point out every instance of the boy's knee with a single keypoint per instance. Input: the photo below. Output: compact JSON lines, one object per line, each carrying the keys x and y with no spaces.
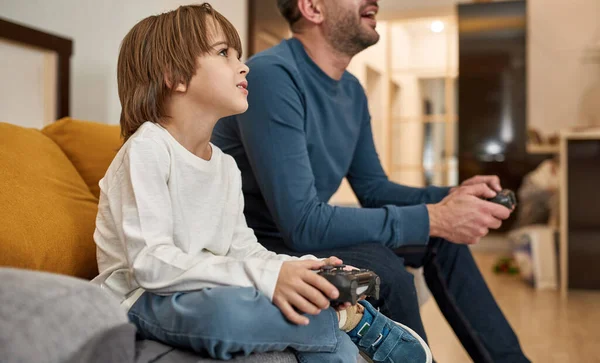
{"x":231,"y":303}
{"x":346,"y":350}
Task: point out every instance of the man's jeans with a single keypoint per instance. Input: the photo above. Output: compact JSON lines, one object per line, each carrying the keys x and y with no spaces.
{"x":224,"y":320}
{"x":455,"y":282}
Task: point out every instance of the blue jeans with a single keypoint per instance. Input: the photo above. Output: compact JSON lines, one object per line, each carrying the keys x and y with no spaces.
{"x":455,"y":282}
{"x":224,"y":320}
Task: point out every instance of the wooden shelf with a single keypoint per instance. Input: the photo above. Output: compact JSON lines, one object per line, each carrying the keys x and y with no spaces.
{"x":425,"y":119}
{"x":543,"y":149}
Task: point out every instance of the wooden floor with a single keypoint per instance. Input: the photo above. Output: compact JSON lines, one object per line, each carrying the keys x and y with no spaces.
{"x":550,"y":329}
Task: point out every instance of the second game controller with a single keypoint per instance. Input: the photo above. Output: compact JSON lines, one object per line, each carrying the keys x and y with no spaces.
{"x":506,"y":197}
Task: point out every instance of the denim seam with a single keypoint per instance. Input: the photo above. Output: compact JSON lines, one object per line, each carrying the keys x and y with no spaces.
{"x":146,"y":322}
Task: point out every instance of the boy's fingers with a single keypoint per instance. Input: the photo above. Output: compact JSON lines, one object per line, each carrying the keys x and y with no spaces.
{"x":313,"y":264}
{"x":322,"y":284}
{"x":313,"y":295}
{"x":303,"y":305}
{"x":333,"y":261}
{"x":289,"y":312}
{"x":343,"y":306}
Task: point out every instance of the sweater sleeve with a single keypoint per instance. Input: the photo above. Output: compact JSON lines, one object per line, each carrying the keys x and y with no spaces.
{"x":370,"y":183}
{"x":141,"y":205}
{"x":272,"y":131}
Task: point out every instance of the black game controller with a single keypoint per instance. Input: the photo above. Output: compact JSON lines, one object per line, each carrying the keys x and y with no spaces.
{"x":351,"y":284}
{"x":506,"y":198}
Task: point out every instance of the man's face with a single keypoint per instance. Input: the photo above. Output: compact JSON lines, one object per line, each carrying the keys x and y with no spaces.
{"x":349,"y":25}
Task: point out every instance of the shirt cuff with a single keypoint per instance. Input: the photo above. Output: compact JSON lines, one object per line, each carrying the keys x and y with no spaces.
{"x":412,"y":225}
{"x":268,"y":280}
{"x":436,"y":194}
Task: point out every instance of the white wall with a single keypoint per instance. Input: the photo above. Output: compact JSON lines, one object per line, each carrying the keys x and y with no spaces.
{"x":28,"y":97}
{"x":558,"y":76}
{"x":97,"y":28}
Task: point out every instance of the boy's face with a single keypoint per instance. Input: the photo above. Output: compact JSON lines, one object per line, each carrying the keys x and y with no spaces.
{"x":219,"y":84}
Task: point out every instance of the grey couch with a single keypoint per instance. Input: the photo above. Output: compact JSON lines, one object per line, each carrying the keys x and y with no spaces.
{"x":47,"y":317}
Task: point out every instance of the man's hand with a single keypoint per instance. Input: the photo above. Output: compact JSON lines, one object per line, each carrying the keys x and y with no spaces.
{"x":492,"y":181}
{"x":300,"y":288}
{"x":463,"y":217}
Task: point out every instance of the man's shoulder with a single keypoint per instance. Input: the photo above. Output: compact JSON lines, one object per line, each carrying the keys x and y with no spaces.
{"x":280,"y":56}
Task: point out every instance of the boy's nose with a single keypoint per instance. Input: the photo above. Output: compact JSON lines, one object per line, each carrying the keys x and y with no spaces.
{"x":244,"y":69}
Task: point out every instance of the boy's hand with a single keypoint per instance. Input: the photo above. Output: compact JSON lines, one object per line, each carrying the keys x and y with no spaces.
{"x":300,"y":288}
{"x":346,"y":305}
{"x":332,"y":261}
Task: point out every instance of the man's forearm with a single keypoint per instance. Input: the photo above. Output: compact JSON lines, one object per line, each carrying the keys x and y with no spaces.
{"x":385,"y":192}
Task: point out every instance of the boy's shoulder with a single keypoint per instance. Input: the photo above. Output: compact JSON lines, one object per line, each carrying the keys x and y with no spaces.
{"x":227,"y":161}
{"x":148,"y":137}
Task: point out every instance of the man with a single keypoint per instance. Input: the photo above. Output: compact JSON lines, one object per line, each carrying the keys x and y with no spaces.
{"x":308,"y":127}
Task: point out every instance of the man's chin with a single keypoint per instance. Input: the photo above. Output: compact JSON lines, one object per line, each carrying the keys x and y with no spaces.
{"x":370,"y":34}
{"x":370,"y":38}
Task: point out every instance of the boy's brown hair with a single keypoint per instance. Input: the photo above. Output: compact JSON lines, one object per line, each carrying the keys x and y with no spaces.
{"x":165,"y":44}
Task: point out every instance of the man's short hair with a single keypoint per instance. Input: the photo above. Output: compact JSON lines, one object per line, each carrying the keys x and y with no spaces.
{"x":289,"y":10}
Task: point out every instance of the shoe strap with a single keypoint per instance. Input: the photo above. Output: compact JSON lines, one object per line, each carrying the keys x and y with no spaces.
{"x":372,"y":335}
{"x":388,"y":345}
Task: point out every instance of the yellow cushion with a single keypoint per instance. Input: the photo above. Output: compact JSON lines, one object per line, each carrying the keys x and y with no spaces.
{"x":90,"y":146}
{"x":47,"y":213}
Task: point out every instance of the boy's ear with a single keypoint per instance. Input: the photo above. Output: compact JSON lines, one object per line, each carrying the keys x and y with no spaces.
{"x":180,"y":86}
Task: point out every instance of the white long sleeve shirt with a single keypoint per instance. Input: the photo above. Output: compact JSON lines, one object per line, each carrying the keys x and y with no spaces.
{"x":169,"y":221}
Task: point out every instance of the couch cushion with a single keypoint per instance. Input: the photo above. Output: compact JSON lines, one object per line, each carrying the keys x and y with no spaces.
{"x":91,"y":146}
{"x":48,"y":213}
{"x":47,"y":317}
{"x":155,"y":352}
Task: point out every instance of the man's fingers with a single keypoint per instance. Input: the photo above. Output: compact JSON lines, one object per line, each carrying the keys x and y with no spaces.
{"x":321,"y":284}
{"x":289,"y":312}
{"x":480,"y":190}
{"x":493,"y":181}
{"x":493,"y":223}
{"x":497,"y":211}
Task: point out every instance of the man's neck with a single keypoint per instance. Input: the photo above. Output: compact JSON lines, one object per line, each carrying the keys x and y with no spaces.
{"x":332,"y":62}
{"x":192,"y":128}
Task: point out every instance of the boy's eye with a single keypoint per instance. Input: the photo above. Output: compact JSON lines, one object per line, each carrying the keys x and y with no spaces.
{"x":223,"y":52}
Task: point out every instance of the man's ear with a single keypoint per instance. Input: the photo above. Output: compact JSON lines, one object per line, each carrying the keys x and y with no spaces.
{"x":180,"y":86}
{"x":311,"y":10}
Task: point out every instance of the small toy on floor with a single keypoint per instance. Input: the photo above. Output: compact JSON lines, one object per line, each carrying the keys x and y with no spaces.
{"x":506,"y":265}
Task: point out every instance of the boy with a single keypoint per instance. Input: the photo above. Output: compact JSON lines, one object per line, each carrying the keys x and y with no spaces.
{"x":172,"y":240}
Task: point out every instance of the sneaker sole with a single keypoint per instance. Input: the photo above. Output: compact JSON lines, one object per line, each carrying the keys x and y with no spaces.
{"x":428,"y":356}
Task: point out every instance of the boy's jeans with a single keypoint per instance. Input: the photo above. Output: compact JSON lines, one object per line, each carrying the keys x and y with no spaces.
{"x":226,"y":320}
